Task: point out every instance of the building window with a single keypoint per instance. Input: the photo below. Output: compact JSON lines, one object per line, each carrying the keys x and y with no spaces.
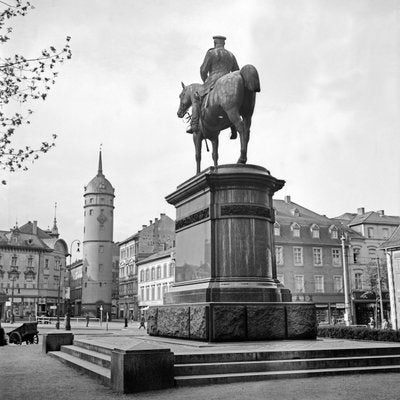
{"x":153,"y":293}
{"x":141,"y":276}
{"x":279,"y":255}
{"x":158,"y":292}
{"x":358,"y":281}
{"x":372,"y":253}
{"x":91,"y":200}
{"x":338,"y":284}
{"x":90,"y":212}
{"x":370,"y":232}
{"x":147,"y":275}
{"x":277,"y":229}
{"x":296,"y":230}
{"x":315,"y":231}
{"x":336,"y":262}
{"x":385,"y":233}
{"x":101,"y":249}
{"x":171,"y":269}
{"x":298,"y":255}
{"x":281,"y":279}
{"x":153,"y":274}
{"x":356,"y":256}
{"x":317,"y":256}
{"x":159,"y":272}
{"x":164,"y":270}
{"x":299,"y":283}
{"x":142,"y":293}
{"x":334,"y":232}
{"x":14,"y":260}
{"x":147,"y":293}
{"x":319,"y":283}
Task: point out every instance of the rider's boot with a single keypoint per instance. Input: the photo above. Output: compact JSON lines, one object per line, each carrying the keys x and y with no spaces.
{"x":233,"y":132}
{"x":194,"y":122}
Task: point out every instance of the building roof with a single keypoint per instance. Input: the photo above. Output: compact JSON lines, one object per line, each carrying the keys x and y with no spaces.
{"x":375,"y":218}
{"x":99,"y":184}
{"x":17,"y":239}
{"x":157,"y":256}
{"x":285,"y":209}
{"x":393,"y":241}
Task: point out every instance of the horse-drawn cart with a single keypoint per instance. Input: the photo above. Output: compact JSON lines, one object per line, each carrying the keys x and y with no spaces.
{"x":27,"y":332}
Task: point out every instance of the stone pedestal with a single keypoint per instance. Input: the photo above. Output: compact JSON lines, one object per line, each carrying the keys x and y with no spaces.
{"x":225,"y":253}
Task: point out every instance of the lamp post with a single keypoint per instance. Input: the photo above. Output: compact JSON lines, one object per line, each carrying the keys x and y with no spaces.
{"x":13,"y":277}
{"x":68,"y":321}
{"x":58,"y":300}
{"x":345,"y":283}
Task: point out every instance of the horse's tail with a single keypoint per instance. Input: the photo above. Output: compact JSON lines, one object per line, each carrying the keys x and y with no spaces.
{"x":251,"y":79}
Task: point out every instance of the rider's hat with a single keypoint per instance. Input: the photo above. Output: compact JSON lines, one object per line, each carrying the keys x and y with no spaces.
{"x":219,"y":39}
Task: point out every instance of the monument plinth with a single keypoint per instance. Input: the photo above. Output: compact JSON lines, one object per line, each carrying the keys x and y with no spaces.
{"x":225,"y":275}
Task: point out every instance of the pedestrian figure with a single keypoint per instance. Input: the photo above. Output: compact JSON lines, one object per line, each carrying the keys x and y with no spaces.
{"x":371,"y":323}
{"x":87,"y":319}
{"x":385,"y":324}
{"x":142,"y":322}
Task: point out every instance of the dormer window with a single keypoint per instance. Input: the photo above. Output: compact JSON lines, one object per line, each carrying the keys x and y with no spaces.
{"x":295,"y":212}
{"x":315,"y":231}
{"x":277,"y":229}
{"x":295,"y":229}
{"x":333,"y":230}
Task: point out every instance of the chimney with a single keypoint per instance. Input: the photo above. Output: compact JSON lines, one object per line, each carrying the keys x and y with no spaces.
{"x":287,"y":199}
{"x":144,"y":226}
{"x":162,"y":215}
{"x":34,"y":228}
{"x":150,"y":222}
{"x":361,"y":211}
{"x":381,"y":212}
{"x":155,"y":219}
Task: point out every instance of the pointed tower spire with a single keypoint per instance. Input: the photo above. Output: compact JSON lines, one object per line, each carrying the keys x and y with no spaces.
{"x":100,"y":170}
{"x":54,"y":231}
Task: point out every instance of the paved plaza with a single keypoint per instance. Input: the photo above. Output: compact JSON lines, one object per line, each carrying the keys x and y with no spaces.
{"x":26,"y":373}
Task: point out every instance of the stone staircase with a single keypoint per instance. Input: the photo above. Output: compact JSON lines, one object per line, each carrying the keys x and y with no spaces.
{"x":214,"y":368}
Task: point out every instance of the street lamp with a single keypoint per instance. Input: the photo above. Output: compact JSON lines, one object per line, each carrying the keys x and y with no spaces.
{"x":345,"y":283}
{"x":68,"y":321}
{"x":14,"y":276}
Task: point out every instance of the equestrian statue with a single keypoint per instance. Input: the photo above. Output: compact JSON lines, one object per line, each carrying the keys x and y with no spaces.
{"x":226,"y":99}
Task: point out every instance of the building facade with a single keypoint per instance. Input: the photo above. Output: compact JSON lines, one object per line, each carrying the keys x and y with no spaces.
{"x":159,"y":235}
{"x":156,"y":274}
{"x":32,"y":269}
{"x":309,"y":258}
{"x":97,"y":277}
{"x":392,"y":249}
{"x":369,"y":291}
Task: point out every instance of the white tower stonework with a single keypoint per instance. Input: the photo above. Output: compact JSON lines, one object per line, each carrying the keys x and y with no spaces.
{"x":97,"y":245}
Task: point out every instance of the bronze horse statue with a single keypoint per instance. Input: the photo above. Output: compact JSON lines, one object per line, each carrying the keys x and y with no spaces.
{"x":231,"y":101}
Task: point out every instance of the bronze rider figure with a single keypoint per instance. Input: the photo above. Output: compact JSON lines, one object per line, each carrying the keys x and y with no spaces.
{"x":217,"y":62}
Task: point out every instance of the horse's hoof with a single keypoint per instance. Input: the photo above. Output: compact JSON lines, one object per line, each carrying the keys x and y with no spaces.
{"x":241,"y":161}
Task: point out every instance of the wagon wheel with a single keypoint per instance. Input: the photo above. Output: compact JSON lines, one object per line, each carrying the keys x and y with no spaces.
{"x":35,"y":339}
{"x":15,"y":337}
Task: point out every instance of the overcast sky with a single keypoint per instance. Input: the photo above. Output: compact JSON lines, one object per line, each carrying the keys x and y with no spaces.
{"x":326,"y":121}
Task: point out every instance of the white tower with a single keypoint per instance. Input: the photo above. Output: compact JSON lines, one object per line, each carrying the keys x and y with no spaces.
{"x":97,"y":245}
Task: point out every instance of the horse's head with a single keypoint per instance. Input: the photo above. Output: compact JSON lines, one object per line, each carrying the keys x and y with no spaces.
{"x":185,"y":100}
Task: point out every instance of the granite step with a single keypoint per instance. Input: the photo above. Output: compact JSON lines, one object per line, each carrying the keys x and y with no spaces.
{"x":95,"y":357}
{"x":96,"y":347}
{"x":220,"y":357}
{"x":196,"y":380}
{"x":100,"y":373}
{"x":283,"y":365}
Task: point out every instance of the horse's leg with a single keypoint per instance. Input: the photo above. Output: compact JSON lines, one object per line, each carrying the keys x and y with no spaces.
{"x":235,"y":118}
{"x":215,"y":143}
{"x":197,"y":145}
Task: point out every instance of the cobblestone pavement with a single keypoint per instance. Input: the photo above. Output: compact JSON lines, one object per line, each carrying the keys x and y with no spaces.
{"x":26,"y":373}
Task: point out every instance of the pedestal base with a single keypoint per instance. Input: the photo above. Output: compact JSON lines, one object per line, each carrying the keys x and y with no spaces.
{"x":219,"y":322}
